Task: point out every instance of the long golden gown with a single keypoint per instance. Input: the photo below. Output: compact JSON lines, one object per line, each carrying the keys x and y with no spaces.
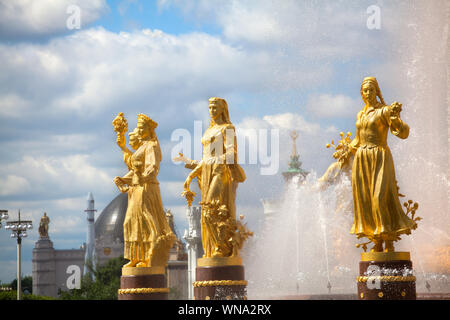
{"x":145,"y":227}
{"x":218,"y":183}
{"x":378,"y":213}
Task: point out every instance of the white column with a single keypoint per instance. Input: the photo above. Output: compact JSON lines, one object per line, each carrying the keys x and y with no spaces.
{"x":90,"y":241}
{"x":194,"y":245}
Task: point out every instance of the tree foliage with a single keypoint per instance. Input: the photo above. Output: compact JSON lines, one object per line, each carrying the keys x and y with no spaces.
{"x":12,"y":295}
{"x":105,"y":285}
{"x":27,"y":284}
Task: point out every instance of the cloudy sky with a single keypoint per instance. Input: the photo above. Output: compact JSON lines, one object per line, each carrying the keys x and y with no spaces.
{"x":281,"y":65}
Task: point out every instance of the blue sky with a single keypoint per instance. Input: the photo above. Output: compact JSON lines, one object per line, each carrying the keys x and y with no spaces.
{"x":290,"y":65}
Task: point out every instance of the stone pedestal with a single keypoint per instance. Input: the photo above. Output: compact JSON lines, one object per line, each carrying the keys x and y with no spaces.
{"x":220,"y":279}
{"x":386,"y":276}
{"x":143,"y":284}
{"x":44,"y":269}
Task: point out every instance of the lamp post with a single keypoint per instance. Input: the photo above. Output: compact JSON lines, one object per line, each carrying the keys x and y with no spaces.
{"x":3,"y":216}
{"x":19,"y":230}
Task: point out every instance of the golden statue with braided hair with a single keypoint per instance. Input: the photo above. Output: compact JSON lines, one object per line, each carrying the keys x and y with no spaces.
{"x":147,"y":234}
{"x":378,"y":214}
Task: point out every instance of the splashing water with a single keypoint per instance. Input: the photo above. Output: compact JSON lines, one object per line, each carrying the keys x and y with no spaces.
{"x":305,"y":247}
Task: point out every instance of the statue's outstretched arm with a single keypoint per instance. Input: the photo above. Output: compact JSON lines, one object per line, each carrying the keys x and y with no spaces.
{"x":396,"y":125}
{"x":188,"y":163}
{"x":122,"y":183}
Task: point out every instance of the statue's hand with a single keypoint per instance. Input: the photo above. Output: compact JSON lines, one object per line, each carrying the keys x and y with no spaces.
{"x":396,"y":108}
{"x":120,"y":185}
{"x":189,"y":195}
{"x":180,"y":157}
{"x":121,"y":140}
{"x":117,"y":181}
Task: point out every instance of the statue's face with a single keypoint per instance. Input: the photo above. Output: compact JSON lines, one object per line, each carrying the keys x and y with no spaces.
{"x":215,"y":110}
{"x":134,"y":141}
{"x":142,"y":130}
{"x":369,"y":92}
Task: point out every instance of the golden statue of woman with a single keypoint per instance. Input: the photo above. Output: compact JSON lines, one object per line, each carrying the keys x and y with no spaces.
{"x":219,"y":173}
{"x":147,"y":235}
{"x":378,"y":214}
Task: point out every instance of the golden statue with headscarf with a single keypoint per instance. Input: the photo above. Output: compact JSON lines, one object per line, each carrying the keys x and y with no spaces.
{"x":219,"y":174}
{"x":378,"y":213}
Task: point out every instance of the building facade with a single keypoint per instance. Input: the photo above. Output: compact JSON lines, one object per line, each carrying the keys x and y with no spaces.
{"x":61,"y":270}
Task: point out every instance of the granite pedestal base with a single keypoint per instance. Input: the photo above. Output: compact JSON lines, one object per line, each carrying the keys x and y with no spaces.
{"x":143,"y":284}
{"x":220,"y":279}
{"x":386,"y":276}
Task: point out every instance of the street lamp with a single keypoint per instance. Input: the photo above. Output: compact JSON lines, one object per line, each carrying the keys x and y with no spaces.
{"x":19,"y":230}
{"x":3,"y":216}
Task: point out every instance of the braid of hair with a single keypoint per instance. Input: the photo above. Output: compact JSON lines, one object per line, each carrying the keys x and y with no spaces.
{"x":380,"y":96}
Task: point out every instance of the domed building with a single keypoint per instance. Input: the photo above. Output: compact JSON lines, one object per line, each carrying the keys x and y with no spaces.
{"x":57,"y":270}
{"x":109,"y":244}
{"x":109,"y":229}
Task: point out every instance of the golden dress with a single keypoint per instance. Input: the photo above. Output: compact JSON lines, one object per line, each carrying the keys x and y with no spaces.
{"x":145,"y":227}
{"x":218,"y":180}
{"x":378,"y":213}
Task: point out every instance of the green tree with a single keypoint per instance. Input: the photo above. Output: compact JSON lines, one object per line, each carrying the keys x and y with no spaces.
{"x":27,"y":284}
{"x":105,"y":285}
{"x":12,"y":295}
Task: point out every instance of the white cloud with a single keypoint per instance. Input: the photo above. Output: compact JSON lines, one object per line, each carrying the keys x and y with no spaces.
{"x":315,"y":30}
{"x":12,"y":105}
{"x":333,"y":106}
{"x":52,"y":176}
{"x":29,"y":18}
{"x":13,"y":184}
{"x":94,"y":70}
{"x":291,"y":121}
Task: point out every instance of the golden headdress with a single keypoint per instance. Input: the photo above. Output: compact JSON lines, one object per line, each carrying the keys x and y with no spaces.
{"x":152,"y":124}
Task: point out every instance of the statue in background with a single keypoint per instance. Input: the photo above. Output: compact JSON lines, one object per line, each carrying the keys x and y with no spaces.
{"x":43,"y":226}
{"x":147,"y":235}
{"x":343,"y":156}
{"x":218,"y":174}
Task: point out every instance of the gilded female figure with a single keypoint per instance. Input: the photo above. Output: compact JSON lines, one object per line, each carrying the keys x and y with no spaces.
{"x":147,"y":235}
{"x":378,"y":214}
{"x":219,"y":173}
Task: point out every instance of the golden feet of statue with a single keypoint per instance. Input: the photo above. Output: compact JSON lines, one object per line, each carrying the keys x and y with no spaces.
{"x":378,"y":246}
{"x":218,"y":253}
{"x":131,"y":264}
{"x":137,"y":264}
{"x":142,"y":264}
